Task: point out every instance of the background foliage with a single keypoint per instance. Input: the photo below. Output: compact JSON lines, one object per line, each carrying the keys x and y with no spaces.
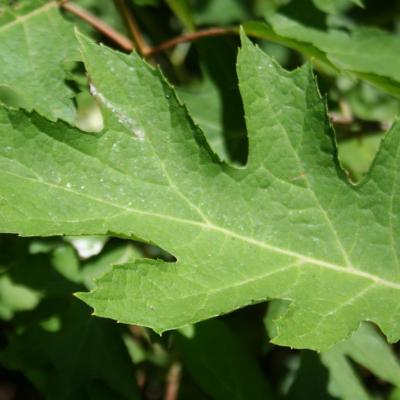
{"x":50,"y":345}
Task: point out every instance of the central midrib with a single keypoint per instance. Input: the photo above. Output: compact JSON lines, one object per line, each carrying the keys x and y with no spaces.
{"x":212,"y":227}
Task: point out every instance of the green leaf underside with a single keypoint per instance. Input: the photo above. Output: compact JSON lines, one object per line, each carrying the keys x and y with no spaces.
{"x":35,"y":45}
{"x":288,"y":225}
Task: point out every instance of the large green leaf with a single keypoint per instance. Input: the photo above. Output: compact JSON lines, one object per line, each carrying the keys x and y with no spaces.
{"x":35,"y":42}
{"x":288,"y":225}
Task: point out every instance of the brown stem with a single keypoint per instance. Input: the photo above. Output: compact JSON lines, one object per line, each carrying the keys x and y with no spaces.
{"x":130,"y":20}
{"x":142,"y":46}
{"x":98,"y":24}
{"x":173,"y":382}
{"x":341,"y":119}
{"x":190,"y":37}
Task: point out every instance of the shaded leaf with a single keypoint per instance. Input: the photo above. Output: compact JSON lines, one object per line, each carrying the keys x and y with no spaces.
{"x":220,"y":364}
{"x":311,"y":379}
{"x":357,"y":154}
{"x":334,"y":6}
{"x":368,"y":348}
{"x":181,"y":8}
{"x":63,"y":351}
{"x":220,"y":12}
{"x":370,"y":53}
{"x":72,"y":356}
{"x":15,"y":297}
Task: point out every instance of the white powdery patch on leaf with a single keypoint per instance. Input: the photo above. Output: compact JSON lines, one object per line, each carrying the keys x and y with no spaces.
{"x":122,"y":118}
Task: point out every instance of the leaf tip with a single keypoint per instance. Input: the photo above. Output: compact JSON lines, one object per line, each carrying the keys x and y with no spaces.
{"x":82,"y":296}
{"x":159,"y":331}
{"x":244,"y":40}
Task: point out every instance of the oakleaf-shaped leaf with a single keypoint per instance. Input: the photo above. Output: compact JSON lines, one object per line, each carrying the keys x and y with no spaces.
{"x":35,"y":42}
{"x":289,"y":225}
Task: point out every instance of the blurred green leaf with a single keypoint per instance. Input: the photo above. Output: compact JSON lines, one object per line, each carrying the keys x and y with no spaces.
{"x":205,"y":106}
{"x":335,"y":6}
{"x":395,"y":394}
{"x":182,"y":10}
{"x":215,"y":103}
{"x":221,"y":12}
{"x":311,"y":379}
{"x":15,"y":297}
{"x":344,"y":382}
{"x":370,"y":53}
{"x":220,"y":364}
{"x":368,"y":349}
{"x":357,"y":154}
{"x":105,"y":10}
{"x":146,"y":2}
{"x":85,"y":354}
{"x":59,"y":346}
{"x":365,"y":101}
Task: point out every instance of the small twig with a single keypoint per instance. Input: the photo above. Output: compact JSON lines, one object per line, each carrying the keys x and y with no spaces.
{"x":361,"y":130}
{"x":141,"y":377}
{"x":173,"y":382}
{"x":345,"y":117}
{"x":98,"y":24}
{"x":340,"y":119}
{"x":190,"y":37}
{"x":142,"y":46}
{"x":140,"y":43}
